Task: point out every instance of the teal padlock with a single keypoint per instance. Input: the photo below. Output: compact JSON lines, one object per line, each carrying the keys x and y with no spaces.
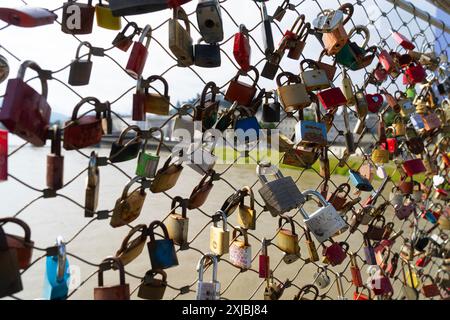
{"x":360,"y":182}
{"x":352,"y":55}
{"x":57,"y":274}
{"x":148,"y":162}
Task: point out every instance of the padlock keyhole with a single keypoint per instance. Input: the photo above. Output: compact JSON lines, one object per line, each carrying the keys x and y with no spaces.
{"x":209,"y":23}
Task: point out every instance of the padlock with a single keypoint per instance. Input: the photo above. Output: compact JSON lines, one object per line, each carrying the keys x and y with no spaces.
{"x":374,"y":230}
{"x":209,"y":18}
{"x":3,"y":155}
{"x":272,"y":64}
{"x":305,"y":290}
{"x":92,"y":187}
{"x":105,"y":17}
{"x":380,"y":284}
{"x":241,"y":251}
{"x":444,"y":222}
{"x":387,"y":62}
{"x":207,"y":110}
{"x":77,"y":18}
{"x":87,"y":130}
{"x":403,"y":41}
{"x":414,"y":143}
{"x":280,"y":12}
{"x":287,"y":240}
{"x":360,"y":296}
{"x":339,"y":197}
{"x":335,"y":40}
{"x":55,"y":161}
{"x":247,"y":214}
{"x":417,"y":195}
{"x":120,"y":151}
{"x":330,"y":69}
{"x":57,"y":274}
{"x":403,"y":212}
{"x":321,"y":278}
{"x":378,"y":76}
{"x":301,"y":157}
{"x":268,"y":46}
{"x":264,"y":261}
{"x":152,"y":288}
{"x":155,"y":103}
{"x":23,"y":246}
{"x":116,"y":292}
{"x":430,"y":290}
{"x":293,"y":94}
{"x":369,"y":252}
{"x":375,"y":102}
{"x":240,"y":92}
{"x":325,"y":222}
{"x":10,"y":279}
{"x":406,"y":105}
{"x":129,"y":206}
{"x":123,"y":41}
{"x":360,"y":182}
{"x":27,"y":16}
{"x":178,"y":224}
{"x":241,"y":48}
{"x":148,"y":162}
{"x":273,"y":290}
{"x":208,"y":290}
{"x":310,"y":133}
{"x":207,"y":55}
{"x":380,"y":156}
{"x":180,"y":40}
{"x":167,"y":176}
{"x":347,"y":89}
{"x":4,"y":68}
{"x":162,"y":251}
{"x":328,"y":20}
{"x":335,"y":254}
{"x":296,"y":41}
{"x":24,"y":111}
{"x":246,"y":126}
{"x":139,"y":53}
{"x":219,"y":236}
{"x":315,"y":79}
{"x":355,"y":271}
{"x":271,"y":111}
{"x":431,"y":121}
{"x":281,"y":195}
{"x":201,"y":157}
{"x":409,"y":289}
{"x":135,"y":7}
{"x":80,"y":70}
{"x":414,"y":74}
{"x":201,"y":192}
{"x":413,"y":167}
{"x":130,"y":248}
{"x":331,"y":99}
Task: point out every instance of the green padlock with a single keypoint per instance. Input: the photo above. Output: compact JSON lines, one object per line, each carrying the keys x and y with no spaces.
{"x":148,"y":162}
{"x":411,"y":92}
{"x":352,"y":55}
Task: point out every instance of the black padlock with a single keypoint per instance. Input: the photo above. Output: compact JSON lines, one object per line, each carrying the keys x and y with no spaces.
{"x":271,"y":111}
{"x":10,"y":281}
{"x":207,"y":55}
{"x":271,"y":67}
{"x":267,"y":34}
{"x":80,"y":70}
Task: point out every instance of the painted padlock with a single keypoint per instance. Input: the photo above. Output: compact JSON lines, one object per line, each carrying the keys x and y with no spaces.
{"x":240,"y":251}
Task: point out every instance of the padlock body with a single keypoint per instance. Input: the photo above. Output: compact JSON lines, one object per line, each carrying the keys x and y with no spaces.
{"x":80,"y":72}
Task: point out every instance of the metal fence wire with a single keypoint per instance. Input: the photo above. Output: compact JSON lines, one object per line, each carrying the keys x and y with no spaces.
{"x":380,"y":17}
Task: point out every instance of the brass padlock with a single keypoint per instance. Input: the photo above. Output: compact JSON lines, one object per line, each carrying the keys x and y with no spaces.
{"x":293,"y":94}
{"x":347,"y":89}
{"x":156,"y":103}
{"x":287,"y":240}
{"x":166,"y":177}
{"x":92,"y":187}
{"x":131,"y":249}
{"x":180,"y":40}
{"x":247,"y":214}
{"x":178,"y":224}
{"x":219,"y":236}
{"x":315,"y":79}
{"x":151,"y":288}
{"x":335,"y":40}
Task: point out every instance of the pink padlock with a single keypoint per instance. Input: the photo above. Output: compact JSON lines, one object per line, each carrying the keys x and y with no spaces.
{"x":413,"y":167}
{"x":403,"y":41}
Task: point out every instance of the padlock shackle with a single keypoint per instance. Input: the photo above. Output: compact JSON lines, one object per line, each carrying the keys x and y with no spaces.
{"x":298,"y":24}
{"x":291,"y":79}
{"x":111,"y":263}
{"x":307,"y":289}
{"x":248,"y":192}
{"x":62,"y":258}
{"x":128,"y":129}
{"x":126,"y":243}
{"x":348,"y":9}
{"x":182,"y":203}
{"x":376,"y":220}
{"x":146,"y":33}
{"x":151,"y":274}
{"x":210,"y":86}
{"x":161,"y":139}
{"x":34,"y":66}
{"x":243,"y":73}
{"x":273,"y":168}
{"x":151,"y":230}
{"x":242,"y":232}
{"x":180,"y":14}
{"x":135,"y":27}
{"x":128,"y":186}
{"x":201,"y":266}
{"x":96,"y":102}
{"x":88,"y":45}
{"x":310,"y":64}
{"x":289,"y":220}
{"x":317,"y":194}
{"x":360,"y":29}
{"x":147,"y":83}
{"x":21,"y":223}
{"x":224,"y":219}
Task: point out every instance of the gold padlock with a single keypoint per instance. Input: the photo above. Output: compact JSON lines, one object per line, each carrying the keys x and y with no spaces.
{"x":380,"y":156}
{"x":166,"y":177}
{"x":293,"y":94}
{"x":287,"y":240}
{"x":128,"y":207}
{"x":219,"y":236}
{"x":131,"y":249}
{"x":156,"y":103}
{"x":180,"y":40}
{"x":247,"y":214}
{"x":178,"y":224}
{"x":347,"y":89}
{"x":105,"y":18}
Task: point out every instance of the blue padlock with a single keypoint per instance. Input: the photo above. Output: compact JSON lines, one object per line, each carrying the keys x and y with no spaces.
{"x":162,"y":251}
{"x":417,"y":121}
{"x":429,"y":215}
{"x":250,"y":128}
{"x":57,"y":274}
{"x":360,"y":182}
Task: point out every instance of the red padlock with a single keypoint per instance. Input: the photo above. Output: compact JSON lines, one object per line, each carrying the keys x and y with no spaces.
{"x":387,"y":62}
{"x":241,"y":92}
{"x":413,"y":167}
{"x":85,"y":131}
{"x":403,"y":41}
{"x":392,"y":145}
{"x":336,"y":253}
{"x":241,"y":49}
{"x":332,"y":98}
{"x":138,"y":112}
{"x":375,"y":102}
{"x":3,"y":155}
{"x":22,"y":245}
{"x":25,"y":112}
{"x":414,"y":74}
{"x":422,"y":262}
{"x":264,"y":261}
{"x":381,"y":284}
{"x":356,"y":272}
{"x":380,"y":74}
{"x":27,"y":16}
{"x":139,"y":54}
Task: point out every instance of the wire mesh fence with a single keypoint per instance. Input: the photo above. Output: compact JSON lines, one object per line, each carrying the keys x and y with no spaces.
{"x":380,"y":17}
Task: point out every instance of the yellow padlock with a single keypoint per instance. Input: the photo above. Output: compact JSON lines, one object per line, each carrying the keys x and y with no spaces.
{"x":105,"y":18}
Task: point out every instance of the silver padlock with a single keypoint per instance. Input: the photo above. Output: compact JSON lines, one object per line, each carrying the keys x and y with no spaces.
{"x":208,"y":290}
{"x":321,"y":278}
{"x":326,"y":221}
{"x":396,"y":198}
{"x":328,"y":20}
{"x":209,"y":20}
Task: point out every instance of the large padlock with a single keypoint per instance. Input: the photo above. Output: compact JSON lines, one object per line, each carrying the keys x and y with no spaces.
{"x":271,"y":111}
{"x":287,"y":240}
{"x":325,"y":222}
{"x":129,"y":206}
{"x":310,"y":133}
{"x":80,"y":70}
{"x":77,"y":18}
{"x":55,"y":161}
{"x":332,"y":98}
{"x":147,"y":163}
{"x":207,"y":110}
{"x":209,"y":18}
{"x":335,"y":40}
{"x":151,"y":288}
{"x":240,"y":251}
{"x":92,"y":187}
{"x":162,"y":251}
{"x":139,"y":53}
{"x":120,"y":291}
{"x":167,"y":176}
{"x":57,"y":274}
{"x":315,"y":79}
{"x":132,"y":248}
{"x":201,"y":192}
{"x":281,"y":195}
{"x":120,"y":151}
{"x":207,"y":55}
{"x":247,"y":214}
{"x":293,"y":94}
{"x":240,"y":92}
{"x":85,"y":131}
{"x":24,"y":111}
{"x":123,"y":41}
{"x":178,"y":224}
{"x":180,"y":40}
{"x":23,"y":246}
{"x":105,"y":17}
{"x":135,"y":7}
{"x":208,"y":290}
{"x":219,"y":238}
{"x":10,"y":280}
{"x":3,"y":155}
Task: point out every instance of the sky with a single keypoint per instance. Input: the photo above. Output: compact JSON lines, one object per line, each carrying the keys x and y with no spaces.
{"x":53,"y":49}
